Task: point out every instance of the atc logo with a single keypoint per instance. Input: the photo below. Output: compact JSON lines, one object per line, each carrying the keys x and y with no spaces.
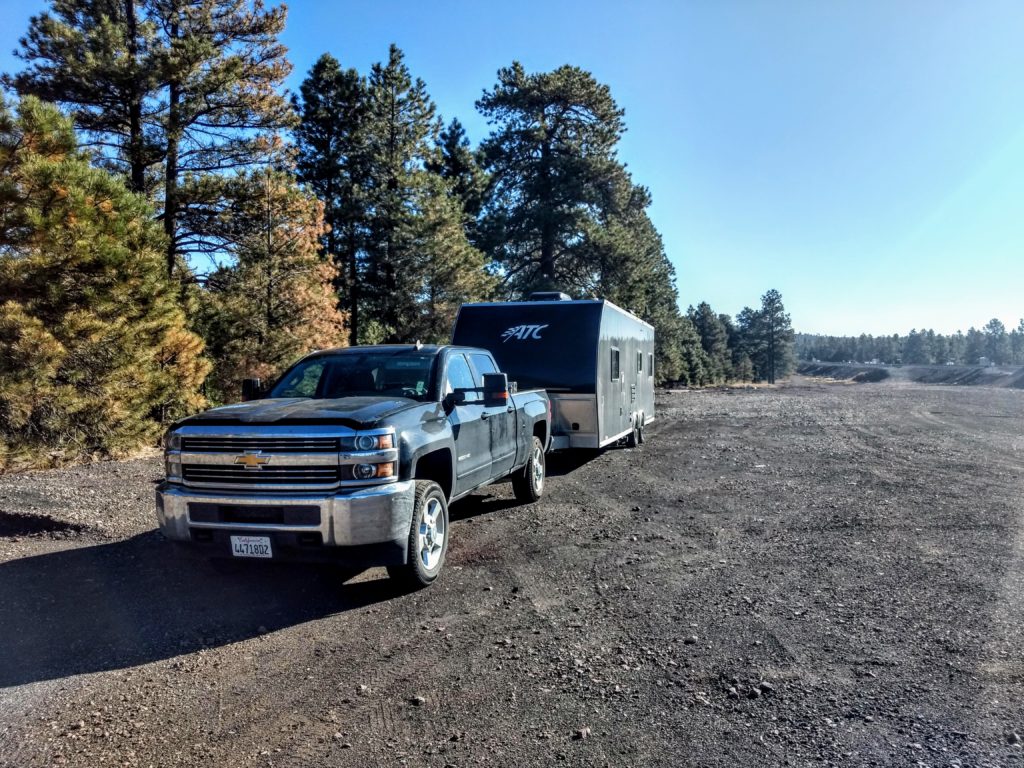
{"x":523,"y":332}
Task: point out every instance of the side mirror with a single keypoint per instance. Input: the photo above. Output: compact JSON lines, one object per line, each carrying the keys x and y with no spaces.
{"x":252,"y":389}
{"x":495,"y":389}
{"x":452,"y":399}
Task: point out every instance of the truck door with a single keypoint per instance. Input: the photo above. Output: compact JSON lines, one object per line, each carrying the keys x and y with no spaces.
{"x":470,"y":429}
{"x":501,"y":421}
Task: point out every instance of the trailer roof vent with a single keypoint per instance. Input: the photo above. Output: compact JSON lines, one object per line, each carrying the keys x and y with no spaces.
{"x":549,"y":296}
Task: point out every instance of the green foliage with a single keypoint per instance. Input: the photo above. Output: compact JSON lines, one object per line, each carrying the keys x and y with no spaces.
{"x":172,"y":92}
{"x":551,"y":154}
{"x":94,"y":350}
{"x":767,"y":338}
{"x":459,"y":165}
{"x":277,"y":302}
{"x":332,"y":161}
{"x":395,"y":201}
{"x":714,"y":340}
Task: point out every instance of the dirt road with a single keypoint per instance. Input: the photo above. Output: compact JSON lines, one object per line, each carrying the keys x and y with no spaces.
{"x":812,"y":575}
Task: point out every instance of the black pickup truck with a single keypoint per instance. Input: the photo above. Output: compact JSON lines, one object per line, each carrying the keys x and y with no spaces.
{"x":353,"y":456}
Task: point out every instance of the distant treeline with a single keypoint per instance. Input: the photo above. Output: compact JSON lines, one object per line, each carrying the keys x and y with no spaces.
{"x":992,"y":344}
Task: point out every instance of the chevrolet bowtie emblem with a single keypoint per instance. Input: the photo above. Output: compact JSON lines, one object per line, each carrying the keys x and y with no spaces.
{"x":252,"y":459}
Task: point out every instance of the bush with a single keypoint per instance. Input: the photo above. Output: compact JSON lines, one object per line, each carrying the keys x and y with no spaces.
{"x":95,"y":352}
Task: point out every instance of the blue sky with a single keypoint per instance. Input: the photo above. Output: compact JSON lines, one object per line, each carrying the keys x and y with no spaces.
{"x":864,"y":158}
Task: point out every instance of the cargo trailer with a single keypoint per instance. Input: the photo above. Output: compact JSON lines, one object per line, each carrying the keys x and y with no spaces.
{"x":595,"y":360}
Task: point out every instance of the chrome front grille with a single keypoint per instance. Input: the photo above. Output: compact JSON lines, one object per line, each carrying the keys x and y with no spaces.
{"x":228,"y":475}
{"x":267,"y":444}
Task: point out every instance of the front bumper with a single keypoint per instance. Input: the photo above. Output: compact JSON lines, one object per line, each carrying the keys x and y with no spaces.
{"x":364,"y":526}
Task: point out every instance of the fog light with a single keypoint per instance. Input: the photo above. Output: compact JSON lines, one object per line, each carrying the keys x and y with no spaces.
{"x":172,"y":467}
{"x":364,"y":471}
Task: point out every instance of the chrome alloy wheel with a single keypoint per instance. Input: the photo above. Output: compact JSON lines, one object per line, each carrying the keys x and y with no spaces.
{"x":430,"y":539}
{"x":538,"y":468}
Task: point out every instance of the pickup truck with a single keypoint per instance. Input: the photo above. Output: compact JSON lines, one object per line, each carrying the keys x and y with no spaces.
{"x":353,"y":456}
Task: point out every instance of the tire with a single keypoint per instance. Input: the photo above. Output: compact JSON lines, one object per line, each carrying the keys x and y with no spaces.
{"x":528,"y":483}
{"x":633,"y":439}
{"x":428,"y":538}
{"x":640,"y":431}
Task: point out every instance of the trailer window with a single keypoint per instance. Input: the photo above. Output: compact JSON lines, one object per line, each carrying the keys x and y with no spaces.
{"x":650,"y":364}
{"x":639,"y":362}
{"x":615,"y":364}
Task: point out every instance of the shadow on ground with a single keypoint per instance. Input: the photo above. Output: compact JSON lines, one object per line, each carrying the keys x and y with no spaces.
{"x":482,"y":502}
{"x":112,"y":606}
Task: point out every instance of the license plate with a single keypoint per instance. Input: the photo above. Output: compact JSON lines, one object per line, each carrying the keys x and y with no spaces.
{"x":251,"y":546}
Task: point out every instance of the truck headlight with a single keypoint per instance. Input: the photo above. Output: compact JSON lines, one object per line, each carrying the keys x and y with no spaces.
{"x":374,"y":442}
{"x":172,"y":456}
{"x":172,"y":440}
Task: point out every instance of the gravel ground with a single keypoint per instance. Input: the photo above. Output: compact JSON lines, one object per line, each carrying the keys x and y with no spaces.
{"x":812,"y":575}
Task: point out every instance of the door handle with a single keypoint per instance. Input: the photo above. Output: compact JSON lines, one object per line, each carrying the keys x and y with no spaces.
{"x":509,"y":409}
{"x":484,"y":416}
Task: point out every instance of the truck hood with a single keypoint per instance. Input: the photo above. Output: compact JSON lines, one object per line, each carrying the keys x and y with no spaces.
{"x":354,"y":412}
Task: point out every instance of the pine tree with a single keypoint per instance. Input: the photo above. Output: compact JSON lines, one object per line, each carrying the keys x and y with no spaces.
{"x":451,"y":270}
{"x":714,"y":339}
{"x":277,"y":302}
{"x":401,"y":129}
{"x":415,"y":245}
{"x":98,"y":59}
{"x":551,"y":154}
{"x":332,"y":160}
{"x":916,"y":349}
{"x":997,"y":342}
{"x":462,"y":168}
{"x":179,"y":89}
{"x":94,"y":349}
{"x":975,"y":347}
{"x":768,"y":337}
{"x":1017,"y":344}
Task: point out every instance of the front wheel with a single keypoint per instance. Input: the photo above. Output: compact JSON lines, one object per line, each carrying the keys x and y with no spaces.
{"x":428,"y":538}
{"x":528,"y":484}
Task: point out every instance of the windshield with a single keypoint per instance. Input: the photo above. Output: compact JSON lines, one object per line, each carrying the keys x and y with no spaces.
{"x":398,"y":373}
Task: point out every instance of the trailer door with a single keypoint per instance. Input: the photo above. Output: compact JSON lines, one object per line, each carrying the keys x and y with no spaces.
{"x":614,"y":405}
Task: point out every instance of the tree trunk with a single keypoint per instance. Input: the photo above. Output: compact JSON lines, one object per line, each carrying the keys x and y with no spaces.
{"x":547,"y":231}
{"x":171,"y":172}
{"x":353,"y":280}
{"x":136,"y":151}
{"x":268,"y":326}
{"x":171,"y":178}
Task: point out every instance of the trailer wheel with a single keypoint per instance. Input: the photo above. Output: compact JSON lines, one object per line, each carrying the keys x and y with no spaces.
{"x":640,"y":430}
{"x":635,"y":436}
{"x":428,"y":538}
{"x":528,"y":484}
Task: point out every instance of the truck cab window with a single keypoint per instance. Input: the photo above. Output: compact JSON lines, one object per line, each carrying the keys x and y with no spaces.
{"x":301,"y":381}
{"x":459,"y":377}
{"x":483,"y":365}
